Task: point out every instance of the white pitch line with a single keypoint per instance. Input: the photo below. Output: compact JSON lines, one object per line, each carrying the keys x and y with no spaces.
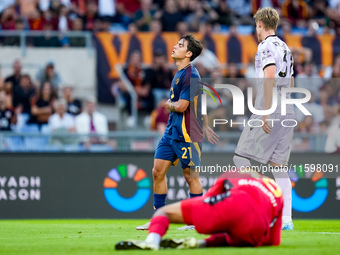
{"x":80,"y":236}
{"x":136,"y":235}
{"x":322,"y":233}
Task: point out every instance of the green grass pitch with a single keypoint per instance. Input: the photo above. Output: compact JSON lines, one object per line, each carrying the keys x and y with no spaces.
{"x":99,"y":236}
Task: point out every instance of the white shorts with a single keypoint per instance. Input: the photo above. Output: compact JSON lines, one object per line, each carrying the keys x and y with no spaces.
{"x":255,"y":144}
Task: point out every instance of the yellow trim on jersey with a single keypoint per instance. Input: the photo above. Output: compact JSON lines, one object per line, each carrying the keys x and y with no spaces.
{"x":195,"y":105}
{"x":198,"y":149}
{"x":175,"y":162}
{"x":184,"y":129}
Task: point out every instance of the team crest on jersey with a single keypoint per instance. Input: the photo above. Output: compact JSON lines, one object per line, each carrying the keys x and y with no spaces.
{"x":177,"y":81}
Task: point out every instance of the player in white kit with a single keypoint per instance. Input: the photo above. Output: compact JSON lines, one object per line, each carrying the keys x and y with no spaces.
{"x":271,"y":142}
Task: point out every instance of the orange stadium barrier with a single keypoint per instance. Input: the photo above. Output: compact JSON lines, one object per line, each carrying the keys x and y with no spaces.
{"x":115,"y":49}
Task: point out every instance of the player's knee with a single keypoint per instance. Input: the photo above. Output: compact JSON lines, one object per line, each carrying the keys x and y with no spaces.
{"x":189,"y":179}
{"x":157,"y":173}
{"x":193,"y":181}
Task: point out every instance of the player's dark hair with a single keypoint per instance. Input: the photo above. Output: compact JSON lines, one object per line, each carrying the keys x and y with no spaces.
{"x":194,"y":45}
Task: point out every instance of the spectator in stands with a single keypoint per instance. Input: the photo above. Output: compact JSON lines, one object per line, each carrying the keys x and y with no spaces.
{"x":77,"y":25}
{"x":74,"y":106}
{"x":91,"y":15}
{"x":135,"y":73}
{"x":334,"y":70}
{"x":319,"y":11}
{"x":234,"y":73}
{"x":170,"y":16}
{"x":223,"y":12}
{"x":202,"y":70}
{"x":61,"y":121}
{"x":182,"y":28}
{"x":158,"y":77}
{"x":13,"y":81}
{"x":7,"y":19}
{"x":207,"y":58}
{"x":160,"y":116}
{"x":328,"y":105}
{"x":35,"y":20}
{"x":47,"y":40}
{"x":257,"y":4}
{"x":309,"y":80}
{"x":308,"y":126}
{"x":78,"y":7}
{"x":23,"y":94}
{"x":105,"y":24}
{"x":7,"y":88}
{"x":186,"y":7}
{"x":53,"y":4}
{"x":48,"y":74}
{"x":64,"y":23}
{"x":7,"y":115}
{"x":144,"y":15}
{"x":334,"y":15}
{"x":127,"y":10}
{"x":203,"y":13}
{"x":92,"y":122}
{"x":107,"y":9}
{"x":15,"y":40}
{"x":295,"y":11}
{"x":24,"y":7}
{"x":315,"y":109}
{"x":42,"y":104}
{"x":2,"y":80}
{"x":333,"y":138}
{"x":301,"y":55}
{"x":250,"y":72}
{"x":241,"y":12}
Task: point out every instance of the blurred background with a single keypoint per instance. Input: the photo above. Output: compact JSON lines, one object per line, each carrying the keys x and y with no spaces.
{"x":94,"y":75}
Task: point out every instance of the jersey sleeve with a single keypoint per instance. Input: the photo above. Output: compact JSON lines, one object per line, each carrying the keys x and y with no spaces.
{"x":189,"y":89}
{"x":267,"y":55}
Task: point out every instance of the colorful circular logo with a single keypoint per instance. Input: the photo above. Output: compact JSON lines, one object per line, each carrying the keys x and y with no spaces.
{"x":319,"y":196}
{"x":111,"y":188}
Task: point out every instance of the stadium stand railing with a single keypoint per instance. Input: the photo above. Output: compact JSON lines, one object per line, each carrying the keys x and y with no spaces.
{"x":31,"y":140}
{"x":23,"y":35}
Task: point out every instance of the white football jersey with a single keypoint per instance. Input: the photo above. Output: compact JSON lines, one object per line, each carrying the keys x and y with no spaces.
{"x":273,"y":51}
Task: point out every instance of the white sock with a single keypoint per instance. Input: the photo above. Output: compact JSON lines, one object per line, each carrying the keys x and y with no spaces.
{"x":153,"y":238}
{"x":286,"y":219}
{"x":284,"y":182}
{"x":241,"y":162}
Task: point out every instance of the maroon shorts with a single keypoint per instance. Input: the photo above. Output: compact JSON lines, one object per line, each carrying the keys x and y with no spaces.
{"x":244,"y":216}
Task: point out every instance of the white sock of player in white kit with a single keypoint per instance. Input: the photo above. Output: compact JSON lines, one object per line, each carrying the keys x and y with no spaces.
{"x":153,"y":238}
{"x":241,"y":162}
{"x":283,"y":180}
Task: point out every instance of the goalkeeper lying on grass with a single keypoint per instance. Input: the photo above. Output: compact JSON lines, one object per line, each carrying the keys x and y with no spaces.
{"x":240,"y":209}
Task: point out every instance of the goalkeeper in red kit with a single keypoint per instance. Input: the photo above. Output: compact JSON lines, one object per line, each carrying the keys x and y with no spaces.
{"x":240,"y":209}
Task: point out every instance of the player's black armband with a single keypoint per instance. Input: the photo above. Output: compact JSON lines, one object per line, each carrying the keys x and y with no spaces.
{"x":218,"y":198}
{"x":227,"y":185}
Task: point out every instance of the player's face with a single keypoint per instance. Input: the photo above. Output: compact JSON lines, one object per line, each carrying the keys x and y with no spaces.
{"x":180,"y":50}
{"x":258,"y":30}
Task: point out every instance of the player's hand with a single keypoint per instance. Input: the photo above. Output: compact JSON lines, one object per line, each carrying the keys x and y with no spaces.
{"x":211,"y":136}
{"x":266,"y":127}
{"x":168,"y":104}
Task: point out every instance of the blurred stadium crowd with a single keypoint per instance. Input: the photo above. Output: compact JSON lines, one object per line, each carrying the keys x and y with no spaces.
{"x":104,"y":15}
{"x":35,"y":100}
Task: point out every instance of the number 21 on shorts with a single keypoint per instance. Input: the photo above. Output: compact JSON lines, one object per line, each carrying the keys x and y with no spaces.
{"x":184,"y":156}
